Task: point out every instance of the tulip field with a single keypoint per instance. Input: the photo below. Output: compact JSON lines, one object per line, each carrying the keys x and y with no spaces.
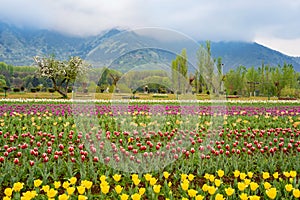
{"x":149,"y":150}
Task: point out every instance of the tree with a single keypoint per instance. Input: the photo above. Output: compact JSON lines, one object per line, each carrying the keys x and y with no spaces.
{"x":207,"y":78}
{"x":61,"y":73}
{"x":179,"y":72}
{"x":252,"y":78}
{"x":235,"y":79}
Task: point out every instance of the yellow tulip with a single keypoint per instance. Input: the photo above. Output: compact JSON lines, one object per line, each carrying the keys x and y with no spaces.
{"x":46,"y":188}
{"x":255,"y":197}
{"x":82,"y":197}
{"x":236,"y":173}
{"x":219,"y":197}
{"x":73,"y":180}
{"x":289,"y":187}
{"x":267,"y":185}
{"x":275,"y":175}
{"x":212,"y":190}
{"x":166,"y":175}
{"x":296,"y":193}
{"x":192,"y":193}
{"x":124,"y":196}
{"x":250,"y":174}
{"x":81,"y":189}
{"x":8,"y":192}
{"x":70,"y":190}
{"x":191,"y":177}
{"x":142,"y":191}
{"x":286,"y":174}
{"x":118,"y":189}
{"x":183,"y":176}
{"x":205,"y":187}
{"x":51,"y":193}
{"x":185,"y":185}
{"x":253,"y":186}
{"x":152,"y":181}
{"x":243,"y":176}
{"x":220,"y":173}
{"x":87,"y":184}
{"x":18,"y":186}
{"x":243,"y":196}
{"x":136,"y":196}
{"x":229,"y":191}
{"x":117,"y":177}
{"x":156,"y":188}
{"x":63,"y":197}
{"x":148,"y":177}
{"x":66,"y":184}
{"x":293,"y":174}
{"x":218,"y":182}
{"x":241,"y":186}
{"x":271,"y":193}
{"x":37,"y":183}
{"x":266,"y":175}
{"x":102,"y":178}
{"x":199,"y":197}
{"x":57,"y":184}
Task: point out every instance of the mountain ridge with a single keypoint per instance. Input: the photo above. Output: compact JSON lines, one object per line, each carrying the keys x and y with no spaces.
{"x":19,"y":45}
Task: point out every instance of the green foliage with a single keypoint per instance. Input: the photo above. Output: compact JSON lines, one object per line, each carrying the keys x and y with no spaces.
{"x":265,"y":80}
{"x":179,"y":72}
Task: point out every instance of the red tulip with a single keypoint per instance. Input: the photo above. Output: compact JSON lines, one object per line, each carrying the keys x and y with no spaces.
{"x":16,"y":160}
{"x":95,"y":159}
{"x":61,"y":146}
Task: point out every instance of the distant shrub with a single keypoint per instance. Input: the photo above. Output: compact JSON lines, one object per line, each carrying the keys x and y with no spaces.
{"x":16,"y":89}
{"x":51,"y":90}
{"x":33,"y":90}
{"x":22,"y":88}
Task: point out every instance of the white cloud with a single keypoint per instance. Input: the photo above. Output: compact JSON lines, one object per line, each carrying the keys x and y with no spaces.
{"x":201,"y":19}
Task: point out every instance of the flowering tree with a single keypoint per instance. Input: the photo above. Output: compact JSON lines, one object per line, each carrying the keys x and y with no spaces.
{"x":61,"y":73}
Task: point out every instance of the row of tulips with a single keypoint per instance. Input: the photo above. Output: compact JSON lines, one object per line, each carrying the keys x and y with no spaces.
{"x":121,"y":109}
{"x":236,"y":185}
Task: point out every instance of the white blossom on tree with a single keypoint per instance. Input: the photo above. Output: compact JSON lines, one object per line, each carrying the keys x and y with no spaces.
{"x":61,"y":73}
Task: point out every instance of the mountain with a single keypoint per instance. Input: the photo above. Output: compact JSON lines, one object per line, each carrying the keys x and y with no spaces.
{"x":124,"y":50}
{"x":250,"y":54}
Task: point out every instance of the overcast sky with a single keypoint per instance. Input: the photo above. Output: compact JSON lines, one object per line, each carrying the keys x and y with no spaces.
{"x":273,"y":23}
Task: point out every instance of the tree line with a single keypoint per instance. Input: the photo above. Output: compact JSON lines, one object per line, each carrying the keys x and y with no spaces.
{"x":55,"y":75}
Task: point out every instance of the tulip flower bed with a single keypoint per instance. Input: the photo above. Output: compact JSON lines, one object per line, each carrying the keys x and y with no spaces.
{"x":149,"y":151}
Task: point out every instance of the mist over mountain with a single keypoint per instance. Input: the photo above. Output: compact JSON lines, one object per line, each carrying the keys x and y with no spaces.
{"x":126,"y":51}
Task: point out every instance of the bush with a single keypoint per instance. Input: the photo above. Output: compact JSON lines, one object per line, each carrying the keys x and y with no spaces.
{"x":33,"y":90}
{"x":16,"y":89}
{"x":69,"y":90}
{"x":51,"y":90}
{"x":22,"y":88}
{"x":111,"y":89}
{"x":288,"y":92}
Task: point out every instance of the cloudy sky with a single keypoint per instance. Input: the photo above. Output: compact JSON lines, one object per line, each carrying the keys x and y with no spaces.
{"x":273,"y":23}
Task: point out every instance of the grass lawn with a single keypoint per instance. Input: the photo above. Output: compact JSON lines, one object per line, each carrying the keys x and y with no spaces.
{"x":47,"y":95}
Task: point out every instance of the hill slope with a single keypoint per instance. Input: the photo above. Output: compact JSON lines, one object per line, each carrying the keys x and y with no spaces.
{"x":19,"y":45}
